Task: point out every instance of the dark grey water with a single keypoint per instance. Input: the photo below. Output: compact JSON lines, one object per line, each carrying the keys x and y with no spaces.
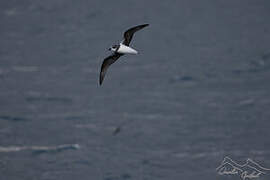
{"x":197,"y":91}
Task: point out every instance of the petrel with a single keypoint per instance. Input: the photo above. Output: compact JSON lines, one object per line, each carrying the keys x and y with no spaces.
{"x":119,"y":50}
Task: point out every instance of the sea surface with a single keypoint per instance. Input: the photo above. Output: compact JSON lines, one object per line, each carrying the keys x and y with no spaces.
{"x":198,"y":91}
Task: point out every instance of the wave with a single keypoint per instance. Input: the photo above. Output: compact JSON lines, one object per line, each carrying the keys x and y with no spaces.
{"x":25,"y":68}
{"x":49,"y":99}
{"x":39,"y":149}
{"x":12,"y":118}
{"x":37,"y":97}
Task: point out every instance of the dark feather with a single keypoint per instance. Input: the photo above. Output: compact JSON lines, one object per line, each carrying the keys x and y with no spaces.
{"x":105,"y":65}
{"x":130,"y":32}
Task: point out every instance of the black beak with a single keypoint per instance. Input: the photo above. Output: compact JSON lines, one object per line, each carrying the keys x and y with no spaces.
{"x":110,"y":49}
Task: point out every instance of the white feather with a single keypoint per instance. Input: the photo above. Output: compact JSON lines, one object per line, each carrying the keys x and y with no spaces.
{"x":126,"y":50}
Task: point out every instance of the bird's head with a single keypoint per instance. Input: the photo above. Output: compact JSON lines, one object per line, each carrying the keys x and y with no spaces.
{"x":113,"y":48}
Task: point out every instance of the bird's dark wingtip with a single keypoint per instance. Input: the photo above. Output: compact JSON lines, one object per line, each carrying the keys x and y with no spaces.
{"x":100,"y":82}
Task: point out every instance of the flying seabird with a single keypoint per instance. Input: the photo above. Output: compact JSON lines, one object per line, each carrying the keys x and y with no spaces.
{"x":119,"y":50}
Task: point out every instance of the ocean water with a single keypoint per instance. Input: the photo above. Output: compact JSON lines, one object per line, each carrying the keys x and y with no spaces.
{"x":198,"y":90}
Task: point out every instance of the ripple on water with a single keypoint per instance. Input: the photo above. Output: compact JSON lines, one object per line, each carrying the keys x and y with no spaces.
{"x":40,"y":149}
{"x":12,"y":118}
{"x":124,"y":176}
{"x":25,"y":68}
{"x":257,"y":65}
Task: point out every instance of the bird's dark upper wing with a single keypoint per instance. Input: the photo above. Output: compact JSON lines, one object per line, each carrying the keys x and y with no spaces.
{"x":106,"y":63}
{"x":129,"y":33}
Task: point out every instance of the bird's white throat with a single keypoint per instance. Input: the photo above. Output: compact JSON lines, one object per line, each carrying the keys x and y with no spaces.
{"x":126,"y":50}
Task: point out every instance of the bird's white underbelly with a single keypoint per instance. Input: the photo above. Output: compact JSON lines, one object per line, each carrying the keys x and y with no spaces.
{"x":126,"y":50}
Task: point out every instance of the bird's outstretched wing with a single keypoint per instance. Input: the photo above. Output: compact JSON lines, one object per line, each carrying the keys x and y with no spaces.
{"x":129,"y":33}
{"x":105,"y":65}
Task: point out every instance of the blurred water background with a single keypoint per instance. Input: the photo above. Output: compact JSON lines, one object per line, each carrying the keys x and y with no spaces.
{"x":197,"y":91}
